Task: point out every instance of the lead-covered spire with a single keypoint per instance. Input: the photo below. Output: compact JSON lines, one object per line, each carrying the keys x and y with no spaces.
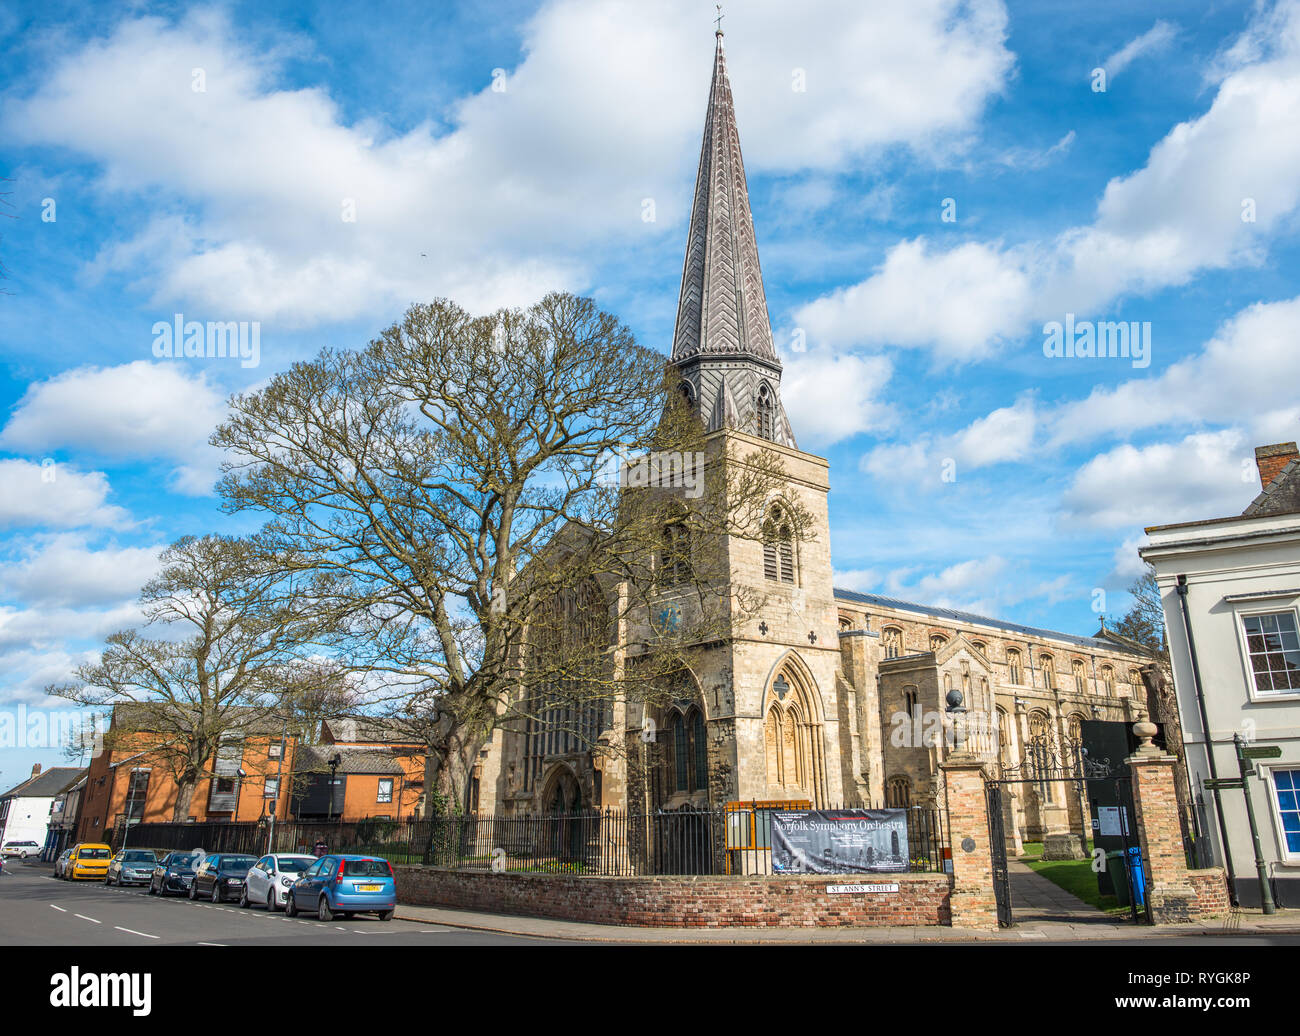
{"x":722,"y":341}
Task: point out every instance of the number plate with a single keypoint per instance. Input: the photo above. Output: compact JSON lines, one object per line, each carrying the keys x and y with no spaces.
{"x":369,"y":888}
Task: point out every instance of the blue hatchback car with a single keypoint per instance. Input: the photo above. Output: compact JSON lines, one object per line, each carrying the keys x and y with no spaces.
{"x":342,"y":884}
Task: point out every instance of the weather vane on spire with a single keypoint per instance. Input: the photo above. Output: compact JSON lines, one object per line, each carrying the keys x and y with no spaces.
{"x":718,"y":20}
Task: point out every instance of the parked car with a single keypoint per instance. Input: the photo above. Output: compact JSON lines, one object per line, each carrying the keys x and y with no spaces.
{"x":221,"y":876}
{"x":131,"y":867}
{"x":61,"y":864}
{"x":88,"y":860}
{"x":269,"y":879}
{"x":174,"y":873}
{"x":344,"y":885}
{"x":21,"y":850}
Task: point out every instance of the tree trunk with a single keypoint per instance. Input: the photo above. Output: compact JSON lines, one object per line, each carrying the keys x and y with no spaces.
{"x":184,"y":795}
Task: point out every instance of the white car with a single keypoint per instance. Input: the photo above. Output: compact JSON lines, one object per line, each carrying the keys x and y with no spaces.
{"x":269,"y":879}
{"x":22,"y":850}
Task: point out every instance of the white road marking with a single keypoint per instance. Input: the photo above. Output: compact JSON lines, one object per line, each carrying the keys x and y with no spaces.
{"x":85,"y":918}
{"x":212,"y":944}
{"x":59,"y":909}
{"x":134,"y":932}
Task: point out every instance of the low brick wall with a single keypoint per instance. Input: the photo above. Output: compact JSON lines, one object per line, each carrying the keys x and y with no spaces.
{"x":688,"y":902}
{"x":1211,"y":887}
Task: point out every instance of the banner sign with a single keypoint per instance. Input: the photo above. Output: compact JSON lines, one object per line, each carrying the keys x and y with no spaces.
{"x":840,"y":841}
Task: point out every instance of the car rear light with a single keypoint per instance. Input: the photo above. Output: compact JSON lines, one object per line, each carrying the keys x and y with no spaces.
{"x":390,"y":869}
{"x":339,"y":877}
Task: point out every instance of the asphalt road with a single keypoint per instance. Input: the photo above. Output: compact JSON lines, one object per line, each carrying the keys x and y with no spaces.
{"x":38,"y":910}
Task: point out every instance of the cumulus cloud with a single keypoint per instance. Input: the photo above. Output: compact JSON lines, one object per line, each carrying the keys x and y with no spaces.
{"x":1204,"y":475}
{"x":1177,"y":217}
{"x":136,"y":410}
{"x":54,"y":495}
{"x":65,"y":570}
{"x":603,"y":110}
{"x":829,"y":398}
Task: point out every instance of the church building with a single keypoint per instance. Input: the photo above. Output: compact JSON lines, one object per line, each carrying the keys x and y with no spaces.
{"x":828,"y":697}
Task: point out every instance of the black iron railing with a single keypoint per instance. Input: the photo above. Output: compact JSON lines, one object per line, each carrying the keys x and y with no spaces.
{"x":735,"y":840}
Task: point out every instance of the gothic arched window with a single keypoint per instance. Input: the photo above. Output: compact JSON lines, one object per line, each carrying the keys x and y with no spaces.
{"x":898,"y":793}
{"x":1108,"y":679}
{"x":1080,"y":677}
{"x":778,"y":547}
{"x":766,"y":414}
{"x":1013,"y":665}
{"x":937,"y":640}
{"x":892,"y":638}
{"x":686,"y":762}
{"x":675,"y":556}
{"x":1049,"y":671}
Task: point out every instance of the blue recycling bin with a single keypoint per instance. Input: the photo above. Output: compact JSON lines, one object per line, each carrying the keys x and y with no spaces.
{"x":1136,"y":876}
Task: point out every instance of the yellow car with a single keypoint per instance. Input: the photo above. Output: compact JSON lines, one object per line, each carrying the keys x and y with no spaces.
{"x":89,"y":860}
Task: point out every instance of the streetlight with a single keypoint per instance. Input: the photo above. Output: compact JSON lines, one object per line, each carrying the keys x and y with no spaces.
{"x":335,"y":762}
{"x":279,"y":779}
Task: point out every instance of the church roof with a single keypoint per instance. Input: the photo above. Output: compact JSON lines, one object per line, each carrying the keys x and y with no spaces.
{"x":722,"y":309}
{"x":1093,"y":643}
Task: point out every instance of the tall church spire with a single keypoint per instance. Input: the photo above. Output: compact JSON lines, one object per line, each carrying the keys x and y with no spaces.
{"x":722,"y":342}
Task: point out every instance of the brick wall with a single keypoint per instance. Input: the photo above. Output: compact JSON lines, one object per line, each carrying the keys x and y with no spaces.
{"x":703,"y":902}
{"x":1211,"y":887}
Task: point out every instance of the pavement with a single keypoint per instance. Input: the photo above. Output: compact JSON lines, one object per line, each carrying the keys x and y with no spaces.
{"x":1043,"y":913}
{"x":35,"y":909}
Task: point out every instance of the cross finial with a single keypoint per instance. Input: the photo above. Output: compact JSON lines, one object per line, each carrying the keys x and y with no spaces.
{"x":718,"y":20}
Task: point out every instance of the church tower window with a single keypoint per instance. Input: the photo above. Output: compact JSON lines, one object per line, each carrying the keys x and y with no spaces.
{"x":778,"y":548}
{"x":766,"y":414}
{"x":1013,"y":665}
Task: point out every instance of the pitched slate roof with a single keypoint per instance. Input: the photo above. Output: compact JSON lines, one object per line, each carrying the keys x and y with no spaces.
{"x":1092,"y":643}
{"x":1281,"y":496}
{"x":316,"y":759}
{"x":47,"y":784}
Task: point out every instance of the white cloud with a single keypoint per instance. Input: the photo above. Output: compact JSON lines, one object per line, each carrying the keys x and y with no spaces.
{"x":1005,"y":434}
{"x":54,"y":495}
{"x":963,"y":299}
{"x":1178,"y":216}
{"x":63,"y":570}
{"x":1201,"y":476}
{"x":829,"y":398}
{"x":1154,"y":40}
{"x":604,"y":109}
{"x":136,"y":410}
{"x":1248,"y":372}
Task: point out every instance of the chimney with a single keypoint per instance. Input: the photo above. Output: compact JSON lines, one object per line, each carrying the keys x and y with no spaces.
{"x":1272,"y":459}
{"x":36,"y":770}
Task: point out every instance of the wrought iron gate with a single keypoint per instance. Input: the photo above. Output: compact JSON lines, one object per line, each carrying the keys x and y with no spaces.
{"x":998,"y":853}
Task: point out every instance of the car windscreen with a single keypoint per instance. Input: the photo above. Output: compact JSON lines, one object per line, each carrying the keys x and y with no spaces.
{"x":295,"y":864}
{"x":93,"y":854}
{"x":184,"y":863}
{"x":237,"y":863}
{"x":365,"y":869}
{"x":139,"y":856}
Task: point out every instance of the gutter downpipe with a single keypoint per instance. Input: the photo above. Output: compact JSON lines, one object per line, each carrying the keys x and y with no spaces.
{"x":1181,"y":587}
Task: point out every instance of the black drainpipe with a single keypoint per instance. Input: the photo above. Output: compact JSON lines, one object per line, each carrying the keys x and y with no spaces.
{"x":1209,"y":740}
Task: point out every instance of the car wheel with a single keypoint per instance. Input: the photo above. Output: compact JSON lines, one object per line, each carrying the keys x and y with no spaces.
{"x":291,"y":906}
{"x":270,"y":902}
{"x":386,"y":915}
{"x":194,"y":890}
{"x":323,"y":911}
{"x":243,"y":897}
{"x":216,"y":892}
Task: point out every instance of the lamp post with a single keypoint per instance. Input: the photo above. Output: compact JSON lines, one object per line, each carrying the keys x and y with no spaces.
{"x":279,"y":782}
{"x":335,"y":762}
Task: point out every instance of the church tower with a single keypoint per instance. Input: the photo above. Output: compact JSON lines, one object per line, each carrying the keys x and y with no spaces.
{"x":782,"y":723}
{"x":722,"y":342}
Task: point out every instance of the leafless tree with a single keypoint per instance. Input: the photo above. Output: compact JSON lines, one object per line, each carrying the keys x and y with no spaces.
{"x":519,"y":514}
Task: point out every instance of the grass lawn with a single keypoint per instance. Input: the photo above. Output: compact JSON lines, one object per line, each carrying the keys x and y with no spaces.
{"x":1075,"y":876}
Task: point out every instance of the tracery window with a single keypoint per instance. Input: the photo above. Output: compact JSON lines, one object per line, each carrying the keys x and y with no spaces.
{"x":1013,"y":665}
{"x":766,"y":414}
{"x":1080,"y":677}
{"x":892,"y":638}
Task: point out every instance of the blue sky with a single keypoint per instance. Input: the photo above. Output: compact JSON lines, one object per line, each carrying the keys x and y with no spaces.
{"x":199,"y":160}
